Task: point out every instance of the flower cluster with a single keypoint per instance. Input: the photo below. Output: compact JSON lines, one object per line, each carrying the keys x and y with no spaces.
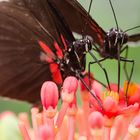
{"x":116,"y":117}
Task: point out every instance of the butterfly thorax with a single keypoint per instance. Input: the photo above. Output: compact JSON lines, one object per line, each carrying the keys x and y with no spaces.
{"x":114,"y":40}
{"x":75,"y":58}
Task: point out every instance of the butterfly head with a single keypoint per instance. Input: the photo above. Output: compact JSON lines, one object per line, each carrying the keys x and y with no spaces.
{"x":116,"y":36}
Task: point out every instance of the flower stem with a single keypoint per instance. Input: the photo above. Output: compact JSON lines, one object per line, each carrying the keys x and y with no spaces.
{"x":24,"y":131}
{"x":107,"y":133}
{"x":61,"y":114}
{"x":71,"y":126}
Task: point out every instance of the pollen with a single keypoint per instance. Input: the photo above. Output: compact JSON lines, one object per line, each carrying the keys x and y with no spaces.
{"x":112,"y":94}
{"x":131,"y":89}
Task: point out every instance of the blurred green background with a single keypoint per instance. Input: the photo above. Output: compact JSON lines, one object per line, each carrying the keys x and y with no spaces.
{"x":128,"y":16}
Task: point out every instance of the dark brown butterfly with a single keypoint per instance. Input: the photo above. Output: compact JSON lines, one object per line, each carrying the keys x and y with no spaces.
{"x":35,"y":31}
{"x":36,"y":45}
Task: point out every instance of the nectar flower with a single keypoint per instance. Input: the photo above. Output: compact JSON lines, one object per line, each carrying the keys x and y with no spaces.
{"x":113,"y":105}
{"x":82,"y":122}
{"x":45,"y":132}
{"x":95,"y":121}
{"x":49,"y":95}
{"x":133,"y":129}
{"x":69,"y":89}
{"x":70,"y":86}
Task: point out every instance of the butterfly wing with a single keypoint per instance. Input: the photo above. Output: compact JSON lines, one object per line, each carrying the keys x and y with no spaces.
{"x":134,"y":38}
{"x":22,"y":72}
{"x":80,"y":21}
{"x":46,"y":12}
{"x":21,"y":66}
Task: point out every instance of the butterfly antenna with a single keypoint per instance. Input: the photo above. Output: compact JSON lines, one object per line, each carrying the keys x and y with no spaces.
{"x":88,"y":13}
{"x":90,"y":7}
{"x":114,"y":14}
{"x":132,"y":28}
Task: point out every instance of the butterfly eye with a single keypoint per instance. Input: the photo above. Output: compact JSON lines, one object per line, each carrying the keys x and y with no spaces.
{"x":81,"y":41}
{"x":112,"y":35}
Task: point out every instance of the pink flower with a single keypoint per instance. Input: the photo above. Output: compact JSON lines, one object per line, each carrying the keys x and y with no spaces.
{"x":70,"y":85}
{"x":112,"y":106}
{"x":114,"y":120}
{"x":49,"y":94}
{"x":68,"y":92}
{"x":45,"y":132}
{"x":95,"y":120}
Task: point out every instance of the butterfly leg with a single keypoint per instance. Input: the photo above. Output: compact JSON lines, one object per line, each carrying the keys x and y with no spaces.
{"x":98,"y":62}
{"x":90,"y":91}
{"x":119,"y":69}
{"x":93,"y":78}
{"x":125,"y":60}
{"x":96,"y":49}
{"x":124,"y":66}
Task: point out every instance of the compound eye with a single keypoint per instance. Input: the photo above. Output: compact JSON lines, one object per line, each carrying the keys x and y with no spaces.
{"x":81,"y":41}
{"x":112,"y":35}
{"x":87,"y":41}
{"x":112,"y":29}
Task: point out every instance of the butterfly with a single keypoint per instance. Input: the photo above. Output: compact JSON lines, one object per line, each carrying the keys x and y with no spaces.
{"x":36,"y":45}
{"x":109,"y":45}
